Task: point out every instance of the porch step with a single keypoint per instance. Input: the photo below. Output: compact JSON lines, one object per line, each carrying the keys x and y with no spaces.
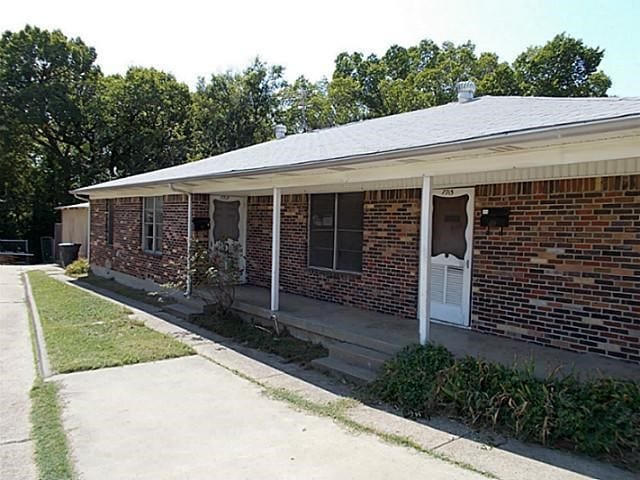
{"x":183,"y":311}
{"x":194,"y":301}
{"x":358,"y":356}
{"x":388,"y":344}
{"x":338,"y":367}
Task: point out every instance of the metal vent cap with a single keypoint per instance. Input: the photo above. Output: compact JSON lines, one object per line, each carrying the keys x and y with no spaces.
{"x":280,"y":131}
{"x":466,"y":91}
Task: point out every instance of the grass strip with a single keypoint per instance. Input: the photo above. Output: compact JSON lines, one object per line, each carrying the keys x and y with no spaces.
{"x":151,"y":298}
{"x":51,"y":447}
{"x":84,"y":332}
{"x":337,"y":411}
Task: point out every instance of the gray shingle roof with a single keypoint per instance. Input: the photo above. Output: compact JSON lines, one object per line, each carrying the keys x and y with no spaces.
{"x":481,"y":118}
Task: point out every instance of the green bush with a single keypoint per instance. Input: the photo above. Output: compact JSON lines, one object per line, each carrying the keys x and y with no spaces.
{"x":77,"y":268}
{"x":599,"y":417}
{"x":408,"y":379}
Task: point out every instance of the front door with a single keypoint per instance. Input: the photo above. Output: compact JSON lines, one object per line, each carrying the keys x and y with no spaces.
{"x":451,"y":251}
{"x":228,"y":220}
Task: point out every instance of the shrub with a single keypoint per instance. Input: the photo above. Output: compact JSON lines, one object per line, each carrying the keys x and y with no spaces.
{"x":599,"y":417}
{"x":77,"y":268}
{"x":215,"y":272}
{"x":408,"y":379}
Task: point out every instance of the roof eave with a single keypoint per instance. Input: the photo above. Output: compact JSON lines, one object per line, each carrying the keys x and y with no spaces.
{"x":537,"y":134}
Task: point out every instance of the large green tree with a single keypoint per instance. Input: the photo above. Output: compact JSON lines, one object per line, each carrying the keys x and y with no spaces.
{"x":346,"y":100}
{"x":306,"y":106}
{"x":46,"y":82}
{"x":141,"y":122}
{"x":563,"y":67}
{"x":234,"y":110}
{"x":16,"y":184}
{"x":424,"y":75}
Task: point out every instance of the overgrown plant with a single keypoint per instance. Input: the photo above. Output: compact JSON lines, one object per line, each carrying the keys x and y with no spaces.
{"x":218,"y":271}
{"x":77,"y":268}
{"x":599,"y":417}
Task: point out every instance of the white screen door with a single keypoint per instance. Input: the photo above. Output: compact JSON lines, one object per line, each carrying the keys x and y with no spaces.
{"x":228,"y":220}
{"x":451,"y":252}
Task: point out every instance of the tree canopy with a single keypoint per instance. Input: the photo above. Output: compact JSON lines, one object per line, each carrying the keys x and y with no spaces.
{"x":141,"y":122}
{"x":64,"y":124}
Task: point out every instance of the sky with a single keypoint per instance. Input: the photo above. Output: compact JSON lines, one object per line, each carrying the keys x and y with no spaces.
{"x":194,"y":39}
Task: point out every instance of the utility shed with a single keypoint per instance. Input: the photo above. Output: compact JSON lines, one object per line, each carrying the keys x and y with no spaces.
{"x":74,"y":226}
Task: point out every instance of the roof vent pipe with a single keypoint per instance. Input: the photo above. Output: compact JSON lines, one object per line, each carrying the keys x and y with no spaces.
{"x":466,"y":91}
{"x":280,"y":131}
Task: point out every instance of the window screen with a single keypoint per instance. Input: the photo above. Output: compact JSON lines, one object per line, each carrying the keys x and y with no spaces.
{"x":335,"y":231}
{"x":152,"y":224}
{"x":322,"y":231}
{"x":349,"y":235}
{"x":449,"y":226}
{"x":226,"y":220}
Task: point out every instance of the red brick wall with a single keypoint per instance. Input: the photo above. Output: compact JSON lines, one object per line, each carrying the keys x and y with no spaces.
{"x":389,"y":279}
{"x":126,"y":254}
{"x":566,"y":272}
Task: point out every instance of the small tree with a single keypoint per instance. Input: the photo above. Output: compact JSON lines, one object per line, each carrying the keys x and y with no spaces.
{"x":217,"y":271}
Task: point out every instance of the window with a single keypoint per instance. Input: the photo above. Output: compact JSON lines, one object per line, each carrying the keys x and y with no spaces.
{"x":335,"y":231}
{"x":152,"y":225}
{"x":109,"y":222}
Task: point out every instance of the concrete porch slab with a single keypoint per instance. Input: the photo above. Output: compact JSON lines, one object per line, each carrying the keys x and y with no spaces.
{"x":389,"y":334}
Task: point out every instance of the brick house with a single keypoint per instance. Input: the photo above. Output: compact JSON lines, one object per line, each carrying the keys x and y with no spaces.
{"x":514,"y":216}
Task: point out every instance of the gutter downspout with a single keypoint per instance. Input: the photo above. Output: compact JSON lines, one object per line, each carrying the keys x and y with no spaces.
{"x":88,"y":200}
{"x":188,"y":289}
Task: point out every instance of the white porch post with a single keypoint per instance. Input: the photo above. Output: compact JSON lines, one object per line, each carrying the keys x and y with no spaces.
{"x":275,"y":252}
{"x":424,"y":279}
{"x":189,"y":235}
{"x":88,"y":249}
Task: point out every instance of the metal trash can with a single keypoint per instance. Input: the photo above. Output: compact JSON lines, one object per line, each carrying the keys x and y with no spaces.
{"x":68,"y":252}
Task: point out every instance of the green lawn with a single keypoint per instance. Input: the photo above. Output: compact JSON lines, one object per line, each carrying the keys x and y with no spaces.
{"x":84,"y":332}
{"x":51,"y":448}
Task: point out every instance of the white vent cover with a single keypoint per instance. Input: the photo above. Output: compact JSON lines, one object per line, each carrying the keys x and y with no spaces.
{"x":280,"y":131}
{"x":447,"y":284}
{"x":466,"y":91}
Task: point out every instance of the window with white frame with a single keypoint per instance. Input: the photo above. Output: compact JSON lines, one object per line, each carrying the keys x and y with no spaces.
{"x":152,"y":225}
{"x":335,"y":231}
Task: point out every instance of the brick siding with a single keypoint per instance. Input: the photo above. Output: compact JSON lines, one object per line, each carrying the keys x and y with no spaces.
{"x":126,"y":254}
{"x":389,"y":279}
{"x":566,"y":272}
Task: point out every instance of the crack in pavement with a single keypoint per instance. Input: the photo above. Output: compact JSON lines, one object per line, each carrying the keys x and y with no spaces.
{"x":13,"y":442}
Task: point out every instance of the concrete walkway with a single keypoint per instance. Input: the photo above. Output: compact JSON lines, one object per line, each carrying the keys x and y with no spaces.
{"x":17,"y":374}
{"x":189,"y":418}
{"x":194,"y":418}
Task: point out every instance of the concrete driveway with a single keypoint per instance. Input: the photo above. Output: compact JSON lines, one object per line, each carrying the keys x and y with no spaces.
{"x":190,"y":418}
{"x":17,"y":374}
